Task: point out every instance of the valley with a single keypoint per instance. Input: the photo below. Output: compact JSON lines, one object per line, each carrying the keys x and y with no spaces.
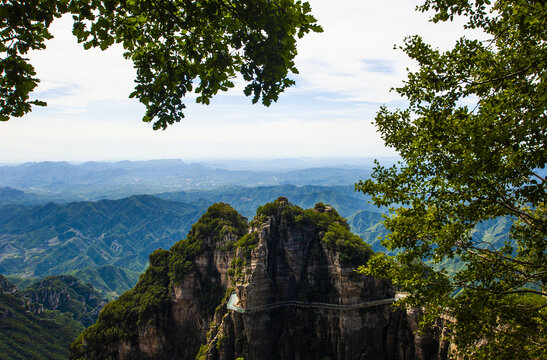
{"x":105,"y":245}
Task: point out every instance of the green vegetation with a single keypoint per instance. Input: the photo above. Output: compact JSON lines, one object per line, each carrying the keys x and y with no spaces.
{"x":220,"y":227}
{"x":211,"y":295}
{"x":120,"y":319}
{"x":21,"y":282}
{"x":243,"y":248}
{"x":182,"y":257}
{"x":214,"y":299}
{"x":66,"y":294}
{"x":352,"y":249}
{"x":334,"y":229}
{"x":105,"y":242}
{"x":111,"y":281}
{"x":147,"y":301}
{"x":26,"y":335}
{"x":467,"y":165}
{"x":219,"y":313}
{"x":321,"y":216}
{"x":246,"y":244}
{"x":196,"y":46}
{"x":220,"y":221}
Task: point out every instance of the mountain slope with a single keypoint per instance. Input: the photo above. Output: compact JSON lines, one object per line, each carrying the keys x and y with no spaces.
{"x":109,"y":279}
{"x":247,"y":199}
{"x":38,"y":322}
{"x":26,"y":336}
{"x":286,"y":255}
{"x":66,"y":294}
{"x":55,"y":239}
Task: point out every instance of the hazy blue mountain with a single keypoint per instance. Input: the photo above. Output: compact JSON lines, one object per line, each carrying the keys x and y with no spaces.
{"x":494,"y":232}
{"x":288,"y":164}
{"x":366,"y":224}
{"x":10,"y":195}
{"x":246,"y":199}
{"x":54,"y":239}
{"x":33,"y":183}
{"x":110,"y":280}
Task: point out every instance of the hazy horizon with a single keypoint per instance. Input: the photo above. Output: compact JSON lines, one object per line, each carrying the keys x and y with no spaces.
{"x":241,"y":163}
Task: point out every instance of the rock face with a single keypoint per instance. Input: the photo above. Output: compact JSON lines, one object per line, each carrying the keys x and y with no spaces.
{"x":6,"y":287}
{"x":66,"y":294}
{"x":286,"y":254}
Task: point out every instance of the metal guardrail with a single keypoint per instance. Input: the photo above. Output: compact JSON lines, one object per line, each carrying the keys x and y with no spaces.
{"x":233,"y":299}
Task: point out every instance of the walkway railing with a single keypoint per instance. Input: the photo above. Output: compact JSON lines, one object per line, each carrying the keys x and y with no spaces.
{"x":233,"y":299}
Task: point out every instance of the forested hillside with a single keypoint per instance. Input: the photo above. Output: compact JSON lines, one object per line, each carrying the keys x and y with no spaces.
{"x":55,"y":239}
{"x":41,"y":320}
{"x":107,"y":243}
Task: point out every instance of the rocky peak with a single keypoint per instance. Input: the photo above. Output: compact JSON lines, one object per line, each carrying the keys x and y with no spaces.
{"x":298,"y":296}
{"x":66,"y":294}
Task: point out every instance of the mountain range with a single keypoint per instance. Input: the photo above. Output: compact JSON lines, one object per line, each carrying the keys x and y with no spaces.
{"x":107,"y":242}
{"x":66,"y":182}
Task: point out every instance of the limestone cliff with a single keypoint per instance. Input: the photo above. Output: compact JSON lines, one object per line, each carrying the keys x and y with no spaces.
{"x":66,"y":294}
{"x":299,"y":297}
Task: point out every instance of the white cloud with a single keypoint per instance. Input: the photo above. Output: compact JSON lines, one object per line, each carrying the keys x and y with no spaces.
{"x":345,"y":73}
{"x":74,"y":78}
{"x":358,"y":33}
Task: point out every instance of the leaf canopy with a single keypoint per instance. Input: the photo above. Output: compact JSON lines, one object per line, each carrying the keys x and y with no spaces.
{"x":176,"y":46}
{"x":472,"y":141}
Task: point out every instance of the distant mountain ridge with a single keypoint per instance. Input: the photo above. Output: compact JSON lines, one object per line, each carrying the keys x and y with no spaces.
{"x":107,"y":242}
{"x":54,"y":239}
{"x":65,"y":182}
{"x":247,"y":199}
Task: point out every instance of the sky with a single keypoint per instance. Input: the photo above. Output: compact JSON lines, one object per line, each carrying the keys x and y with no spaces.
{"x":346,"y":74}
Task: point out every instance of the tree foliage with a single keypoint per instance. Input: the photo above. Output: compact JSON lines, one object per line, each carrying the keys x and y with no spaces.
{"x":177,"y":46}
{"x":352,"y":249}
{"x":219,"y":221}
{"x":148,"y":302}
{"x":472,"y":140}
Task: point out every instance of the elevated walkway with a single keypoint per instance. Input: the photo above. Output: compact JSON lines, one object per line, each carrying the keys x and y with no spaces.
{"x":234,"y":300}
